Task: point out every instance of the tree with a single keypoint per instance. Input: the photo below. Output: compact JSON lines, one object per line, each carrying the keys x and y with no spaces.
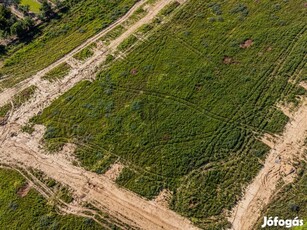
{"x":20,"y":28}
{"x":7,"y":19}
{"x":11,"y":2}
{"x":24,"y":9}
{"x":46,"y":10}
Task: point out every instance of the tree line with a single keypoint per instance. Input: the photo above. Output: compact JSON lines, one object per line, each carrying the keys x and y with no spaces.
{"x":10,"y":25}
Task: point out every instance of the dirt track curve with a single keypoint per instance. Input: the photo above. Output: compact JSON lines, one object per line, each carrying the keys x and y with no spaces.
{"x":278,"y":166}
{"x":24,"y":151}
{"x":7,"y":94}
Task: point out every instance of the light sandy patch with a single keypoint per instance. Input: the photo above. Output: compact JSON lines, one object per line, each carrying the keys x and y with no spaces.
{"x":278,"y":166}
{"x":304,"y":84}
{"x":287,"y":110}
{"x":164,"y":198}
{"x":22,"y":150}
{"x":246,"y":44}
{"x":268,"y":139}
{"x":114,"y":171}
{"x":24,"y":190}
{"x":68,"y":152}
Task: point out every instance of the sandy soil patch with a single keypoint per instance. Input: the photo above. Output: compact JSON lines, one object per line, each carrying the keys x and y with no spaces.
{"x":164,"y":198}
{"x":246,"y":44}
{"x":24,"y":190}
{"x":278,"y":166}
{"x":228,"y":60}
{"x":23,"y":150}
{"x":114,"y":172}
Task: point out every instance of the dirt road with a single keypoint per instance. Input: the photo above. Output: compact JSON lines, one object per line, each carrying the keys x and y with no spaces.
{"x":7,"y":94}
{"x":24,"y":151}
{"x":278,"y":165}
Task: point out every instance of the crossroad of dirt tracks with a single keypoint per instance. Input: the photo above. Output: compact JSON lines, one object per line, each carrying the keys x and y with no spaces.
{"x":24,"y":151}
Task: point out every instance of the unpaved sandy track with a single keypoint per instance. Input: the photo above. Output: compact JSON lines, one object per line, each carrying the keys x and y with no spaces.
{"x":24,"y":151}
{"x":7,"y":94}
{"x":278,"y":165}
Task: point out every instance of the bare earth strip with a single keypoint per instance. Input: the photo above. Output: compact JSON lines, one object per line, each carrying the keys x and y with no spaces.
{"x":22,"y":150}
{"x":7,"y":94}
{"x":277,"y":167}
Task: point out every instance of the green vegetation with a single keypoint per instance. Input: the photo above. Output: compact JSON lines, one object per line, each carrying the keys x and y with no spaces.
{"x":58,"y":72}
{"x":118,"y":30}
{"x":23,"y":96}
{"x":290,"y":202}
{"x":179,"y":115}
{"x":85,"y":53}
{"x":28,"y":128}
{"x":82,"y":20}
{"x":64,"y":194}
{"x":32,"y":211}
{"x":34,"y":5}
{"x":10,"y":26}
{"x":5,"y":109}
{"x":127,"y":43}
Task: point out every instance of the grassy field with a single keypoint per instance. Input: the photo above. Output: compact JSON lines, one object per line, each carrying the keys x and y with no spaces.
{"x":32,"y":211}
{"x":82,"y":20}
{"x":18,"y":100}
{"x":58,"y":72}
{"x":34,"y":5}
{"x":85,"y":53}
{"x":185,"y":110}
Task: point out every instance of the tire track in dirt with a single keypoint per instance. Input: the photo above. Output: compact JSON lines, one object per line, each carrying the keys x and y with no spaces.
{"x":286,"y":149}
{"x":7,"y":94}
{"x":24,"y":151}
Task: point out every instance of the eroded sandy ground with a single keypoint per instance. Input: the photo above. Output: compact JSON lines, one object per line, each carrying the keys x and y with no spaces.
{"x":278,"y":166}
{"x":7,"y":94}
{"x":24,"y":151}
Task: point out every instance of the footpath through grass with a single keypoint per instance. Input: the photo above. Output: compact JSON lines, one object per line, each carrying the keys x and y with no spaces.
{"x":82,"y":20}
{"x":185,"y":110}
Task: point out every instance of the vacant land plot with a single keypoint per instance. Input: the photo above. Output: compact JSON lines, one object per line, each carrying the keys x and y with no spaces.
{"x":82,"y":20}
{"x":21,"y":209}
{"x":34,"y":5}
{"x":179,"y":117}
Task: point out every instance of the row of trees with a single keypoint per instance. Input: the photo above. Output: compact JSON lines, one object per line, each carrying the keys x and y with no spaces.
{"x":10,"y":26}
{"x":46,"y":9}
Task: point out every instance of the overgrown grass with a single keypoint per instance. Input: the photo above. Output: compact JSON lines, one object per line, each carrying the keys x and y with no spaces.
{"x":82,"y":20}
{"x":178,"y":116}
{"x":34,"y":5}
{"x":118,"y":30}
{"x":58,"y":72}
{"x":23,"y":96}
{"x":32,"y":211}
{"x":85,"y":53}
{"x":5,"y":109}
{"x":127,"y":43}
